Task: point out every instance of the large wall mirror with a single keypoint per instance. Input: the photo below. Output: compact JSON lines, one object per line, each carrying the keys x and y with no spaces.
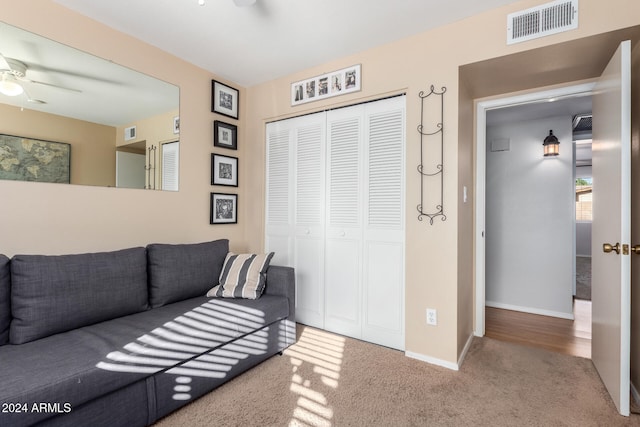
{"x":74,"y":118}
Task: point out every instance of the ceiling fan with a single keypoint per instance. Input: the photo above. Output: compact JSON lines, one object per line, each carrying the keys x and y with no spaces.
{"x":13,"y":76}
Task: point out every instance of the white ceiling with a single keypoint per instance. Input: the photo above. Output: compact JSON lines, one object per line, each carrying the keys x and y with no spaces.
{"x":243,"y":45}
{"x":273,"y":38}
{"x":570,"y":106}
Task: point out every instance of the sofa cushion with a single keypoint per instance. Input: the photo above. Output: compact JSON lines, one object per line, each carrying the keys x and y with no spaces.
{"x":178,"y":272}
{"x":243,"y":276}
{"x":80,"y":365}
{"x":51,"y":294}
{"x":5,"y":299}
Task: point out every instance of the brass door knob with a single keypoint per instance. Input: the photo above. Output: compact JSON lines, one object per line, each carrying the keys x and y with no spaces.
{"x":635,"y":249}
{"x":608,"y":248}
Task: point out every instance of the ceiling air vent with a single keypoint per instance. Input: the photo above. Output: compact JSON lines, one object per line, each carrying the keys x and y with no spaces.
{"x":582,"y":122}
{"x":129,"y":133}
{"x":549,"y":18}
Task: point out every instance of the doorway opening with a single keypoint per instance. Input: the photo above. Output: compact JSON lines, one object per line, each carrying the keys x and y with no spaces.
{"x":529,"y":209}
{"x":609,"y":63}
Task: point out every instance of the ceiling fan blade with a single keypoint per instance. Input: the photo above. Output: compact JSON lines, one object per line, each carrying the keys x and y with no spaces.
{"x":50,"y":85}
{"x":32,"y":100}
{"x":70,"y":73}
{"x":4,"y":65}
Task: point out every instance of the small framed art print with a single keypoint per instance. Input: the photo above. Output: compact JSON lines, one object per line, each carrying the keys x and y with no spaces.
{"x":224,"y":170}
{"x":224,"y":99}
{"x":176,"y":124}
{"x":224,"y":208}
{"x":225,"y":135}
{"x":335,"y":83}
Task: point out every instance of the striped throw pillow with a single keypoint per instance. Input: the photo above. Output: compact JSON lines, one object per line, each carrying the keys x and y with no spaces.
{"x":242,"y":276}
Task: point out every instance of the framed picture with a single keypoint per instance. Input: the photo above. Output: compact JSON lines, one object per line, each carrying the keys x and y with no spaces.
{"x":224,"y":208}
{"x":335,"y":83}
{"x":28,"y":159}
{"x":224,"y":99}
{"x":176,"y":124}
{"x":225,"y":135}
{"x":224,"y":170}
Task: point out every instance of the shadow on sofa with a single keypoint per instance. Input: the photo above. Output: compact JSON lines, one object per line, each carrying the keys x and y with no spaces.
{"x":67,"y":359}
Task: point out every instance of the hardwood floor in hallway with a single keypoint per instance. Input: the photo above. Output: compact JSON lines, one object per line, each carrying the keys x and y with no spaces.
{"x":565,"y":336}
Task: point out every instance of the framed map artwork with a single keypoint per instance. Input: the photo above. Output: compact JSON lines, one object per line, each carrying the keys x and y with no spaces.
{"x":25,"y":159}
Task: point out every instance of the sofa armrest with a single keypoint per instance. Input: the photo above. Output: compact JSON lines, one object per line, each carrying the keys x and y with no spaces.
{"x":282,"y":281}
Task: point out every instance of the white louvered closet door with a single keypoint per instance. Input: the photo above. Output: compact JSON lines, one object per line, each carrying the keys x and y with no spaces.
{"x":295,"y":208}
{"x":170,"y":165}
{"x":343,"y":253}
{"x":335,"y":212}
{"x":384,"y":213}
{"x":279,"y":189}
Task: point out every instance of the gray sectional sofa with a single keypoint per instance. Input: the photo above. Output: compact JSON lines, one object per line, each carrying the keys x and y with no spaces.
{"x":123,"y":338}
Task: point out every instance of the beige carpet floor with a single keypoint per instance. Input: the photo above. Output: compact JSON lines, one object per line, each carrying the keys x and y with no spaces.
{"x":329,"y":380}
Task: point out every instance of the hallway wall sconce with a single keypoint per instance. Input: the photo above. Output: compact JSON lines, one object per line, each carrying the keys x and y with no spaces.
{"x":551,"y":145}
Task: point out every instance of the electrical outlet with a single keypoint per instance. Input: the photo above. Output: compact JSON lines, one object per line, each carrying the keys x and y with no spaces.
{"x":432,"y":316}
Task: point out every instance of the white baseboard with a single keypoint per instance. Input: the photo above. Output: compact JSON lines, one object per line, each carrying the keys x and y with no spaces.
{"x":531,"y":310}
{"x":465,"y":349}
{"x":433,"y":360}
{"x":635,"y":394}
{"x":440,"y":362}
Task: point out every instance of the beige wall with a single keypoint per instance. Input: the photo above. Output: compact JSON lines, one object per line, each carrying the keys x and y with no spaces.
{"x":57,"y":219}
{"x":439,"y":267}
{"x":93,"y":151}
{"x":152,"y":131}
{"x":465,"y":217}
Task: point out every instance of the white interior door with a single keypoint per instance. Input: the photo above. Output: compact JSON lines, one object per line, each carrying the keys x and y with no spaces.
{"x":611,"y":272}
{"x":343,"y":269}
{"x":295,"y":214}
{"x":308,"y":245}
{"x":170,"y":166}
{"x":383,"y":223}
{"x":278,"y":222}
{"x":129,"y":170}
{"x":335,"y":212}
